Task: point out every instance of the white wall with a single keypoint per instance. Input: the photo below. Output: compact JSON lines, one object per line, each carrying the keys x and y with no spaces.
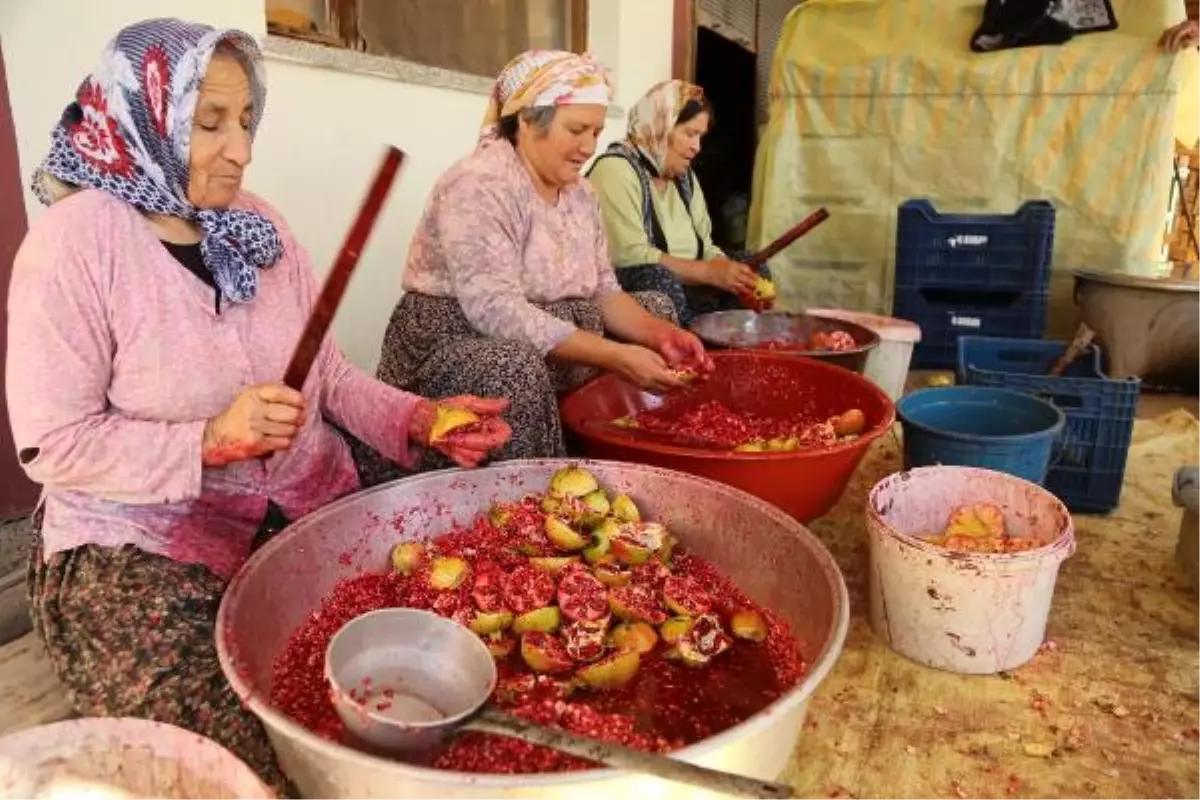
{"x":323,"y":130}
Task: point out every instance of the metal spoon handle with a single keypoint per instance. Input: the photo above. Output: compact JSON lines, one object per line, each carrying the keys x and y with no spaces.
{"x":613,"y":755}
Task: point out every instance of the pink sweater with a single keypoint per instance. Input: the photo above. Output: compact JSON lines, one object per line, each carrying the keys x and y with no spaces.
{"x":489,"y":240}
{"x":116,"y":357}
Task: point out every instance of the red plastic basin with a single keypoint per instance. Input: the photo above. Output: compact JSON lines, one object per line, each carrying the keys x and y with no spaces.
{"x":805,"y":484}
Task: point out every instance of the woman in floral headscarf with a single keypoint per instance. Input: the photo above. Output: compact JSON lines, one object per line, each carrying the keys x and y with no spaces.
{"x":659,"y":229}
{"x":152,"y":310}
{"x":508,"y":285}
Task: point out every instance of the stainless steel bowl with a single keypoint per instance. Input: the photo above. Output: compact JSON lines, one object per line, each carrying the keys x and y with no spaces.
{"x":749,"y":330}
{"x":775,"y":559}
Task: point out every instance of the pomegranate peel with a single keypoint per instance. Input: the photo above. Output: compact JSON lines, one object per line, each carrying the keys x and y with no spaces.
{"x":611,"y":673}
{"x":406,"y":557}
{"x":675,"y":629}
{"x":562,"y":535}
{"x":553,"y":564}
{"x":488,"y":622}
{"x":542,"y":652}
{"x":448,"y":573}
{"x":540,"y":620}
{"x":448,"y":419}
{"x":748,"y":624}
{"x":573,"y":482}
{"x":625,"y":510}
{"x":634,"y":636}
{"x":980,"y":520}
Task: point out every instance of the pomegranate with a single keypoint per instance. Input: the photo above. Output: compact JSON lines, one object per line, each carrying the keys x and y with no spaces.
{"x":527,"y":588}
{"x":582,"y":597}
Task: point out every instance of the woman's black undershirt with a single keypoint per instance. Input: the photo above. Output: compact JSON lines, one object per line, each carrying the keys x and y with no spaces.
{"x":190,"y":257}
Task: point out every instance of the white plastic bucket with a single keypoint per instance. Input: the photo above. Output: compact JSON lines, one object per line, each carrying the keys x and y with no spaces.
{"x":973,"y":613}
{"x":887,"y":365}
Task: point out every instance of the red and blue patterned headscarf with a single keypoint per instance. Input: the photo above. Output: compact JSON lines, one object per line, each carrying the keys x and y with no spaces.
{"x":128,"y":133}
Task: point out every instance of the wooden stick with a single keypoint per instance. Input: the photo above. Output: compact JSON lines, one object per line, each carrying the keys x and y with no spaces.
{"x":795,"y":232}
{"x":339,"y":277}
{"x":1083,"y":337}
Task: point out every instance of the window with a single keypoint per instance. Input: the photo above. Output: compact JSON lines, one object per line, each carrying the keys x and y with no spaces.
{"x":477,"y":37}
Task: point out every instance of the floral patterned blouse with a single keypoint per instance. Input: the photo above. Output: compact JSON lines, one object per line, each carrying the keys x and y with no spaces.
{"x":488,"y":239}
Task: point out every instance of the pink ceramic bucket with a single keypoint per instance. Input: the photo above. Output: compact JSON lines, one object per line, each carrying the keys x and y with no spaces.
{"x":974,"y":613}
{"x":121,"y":757}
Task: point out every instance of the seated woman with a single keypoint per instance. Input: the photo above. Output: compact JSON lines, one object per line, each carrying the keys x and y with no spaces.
{"x":659,"y":229}
{"x":152,"y":310}
{"x":508,"y":285}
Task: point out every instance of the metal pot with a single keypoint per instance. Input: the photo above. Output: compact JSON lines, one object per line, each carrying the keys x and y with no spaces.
{"x":749,"y":330}
{"x":1148,"y":325}
{"x":775,"y":559}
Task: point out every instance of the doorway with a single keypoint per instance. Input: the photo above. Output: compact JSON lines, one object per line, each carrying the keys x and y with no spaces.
{"x":725,"y":167}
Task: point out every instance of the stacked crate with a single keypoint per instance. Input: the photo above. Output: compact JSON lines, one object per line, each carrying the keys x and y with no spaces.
{"x":1087,"y":470}
{"x":972,"y":274}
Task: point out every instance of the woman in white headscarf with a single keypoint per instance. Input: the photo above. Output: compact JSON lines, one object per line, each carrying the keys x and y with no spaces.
{"x":508,"y":287}
{"x":659,"y":229}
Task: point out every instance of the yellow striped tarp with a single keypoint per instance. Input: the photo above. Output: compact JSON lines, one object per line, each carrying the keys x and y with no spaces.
{"x":874,"y":102}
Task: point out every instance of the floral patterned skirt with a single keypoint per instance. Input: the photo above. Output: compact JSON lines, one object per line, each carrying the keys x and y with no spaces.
{"x":132,"y":634}
{"x":689,"y":301}
{"x":431,"y":349}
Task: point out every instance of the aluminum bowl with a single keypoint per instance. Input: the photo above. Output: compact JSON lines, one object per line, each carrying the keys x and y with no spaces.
{"x":749,"y":330}
{"x":775,"y":559}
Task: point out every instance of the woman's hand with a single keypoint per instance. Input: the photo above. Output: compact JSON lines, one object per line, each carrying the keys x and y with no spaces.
{"x":472,"y":445}
{"x":1185,"y":34}
{"x":645,"y":369}
{"x":262,"y":419}
{"x":731,"y":276}
{"x":682,"y":350}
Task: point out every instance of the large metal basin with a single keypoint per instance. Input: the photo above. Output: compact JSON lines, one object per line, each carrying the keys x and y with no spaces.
{"x":1148,"y":325}
{"x":750,"y":330}
{"x":771,"y":556}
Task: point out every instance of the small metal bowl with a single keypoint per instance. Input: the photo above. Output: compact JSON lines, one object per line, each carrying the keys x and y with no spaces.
{"x":750,"y":330}
{"x":403,"y":679}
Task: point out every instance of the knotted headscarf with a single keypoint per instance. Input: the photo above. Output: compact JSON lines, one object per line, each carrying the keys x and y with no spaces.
{"x":128,"y":133}
{"x":541,"y":78}
{"x":653,"y":117}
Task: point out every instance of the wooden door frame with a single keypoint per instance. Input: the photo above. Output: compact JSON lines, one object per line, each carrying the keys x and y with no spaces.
{"x":18,"y":495}
{"x":683,"y":40}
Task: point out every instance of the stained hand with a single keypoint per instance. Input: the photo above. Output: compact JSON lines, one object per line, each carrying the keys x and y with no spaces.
{"x":732,"y":276}
{"x":262,"y":419}
{"x":646,"y":369}
{"x":471,"y":444}
{"x":683,"y":351}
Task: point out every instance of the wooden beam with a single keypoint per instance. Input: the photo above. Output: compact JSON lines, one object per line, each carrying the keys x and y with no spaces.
{"x":344,"y":16}
{"x":577,"y":25}
{"x":683,"y":40}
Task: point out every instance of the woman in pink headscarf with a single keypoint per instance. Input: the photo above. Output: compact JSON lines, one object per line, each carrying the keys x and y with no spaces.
{"x":509,"y":290}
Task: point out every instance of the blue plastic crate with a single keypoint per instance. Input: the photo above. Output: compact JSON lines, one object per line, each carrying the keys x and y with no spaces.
{"x":946,"y":314}
{"x":981,"y":251}
{"x":1089,"y":470}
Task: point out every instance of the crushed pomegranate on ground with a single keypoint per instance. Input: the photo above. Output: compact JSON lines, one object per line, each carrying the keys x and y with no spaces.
{"x":980,"y":528}
{"x":599,"y":621}
{"x":712,"y":424}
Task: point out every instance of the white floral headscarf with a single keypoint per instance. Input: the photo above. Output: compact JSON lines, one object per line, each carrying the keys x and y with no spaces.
{"x":540,"y":78}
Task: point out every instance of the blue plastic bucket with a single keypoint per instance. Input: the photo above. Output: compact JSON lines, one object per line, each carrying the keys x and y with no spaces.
{"x":977,"y":426}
